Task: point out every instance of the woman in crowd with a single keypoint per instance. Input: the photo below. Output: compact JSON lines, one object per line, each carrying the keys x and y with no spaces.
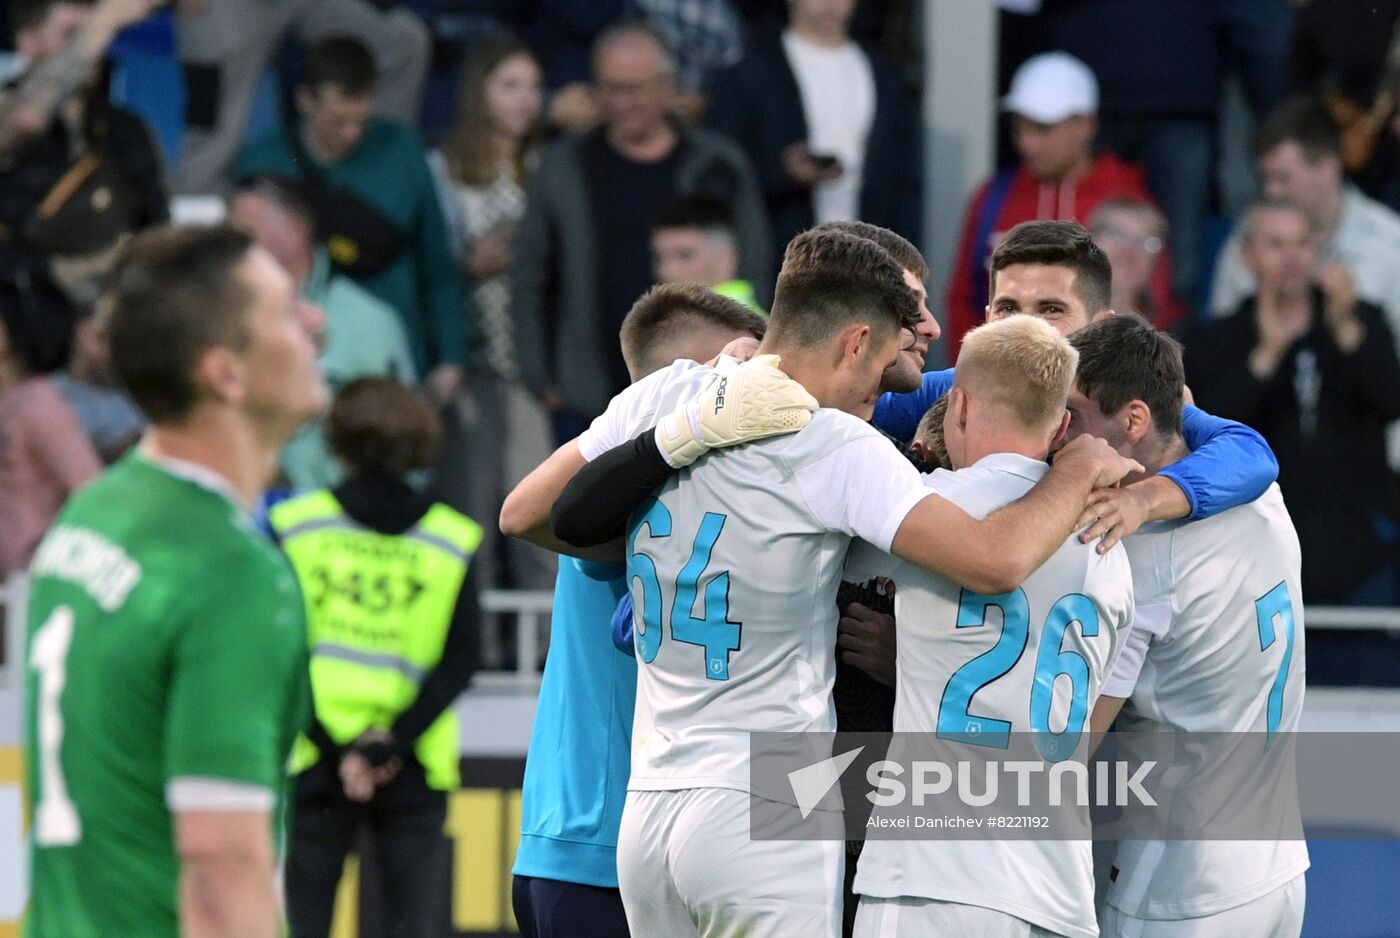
{"x":482,"y":169}
{"x":44,"y":454}
{"x":1132,"y":232}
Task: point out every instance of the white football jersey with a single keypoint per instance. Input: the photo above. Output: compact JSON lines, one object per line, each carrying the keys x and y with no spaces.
{"x":1217,"y":647}
{"x":967,"y":671}
{"x":734,"y":568}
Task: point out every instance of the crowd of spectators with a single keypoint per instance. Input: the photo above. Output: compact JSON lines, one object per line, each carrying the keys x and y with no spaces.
{"x":599,"y":146}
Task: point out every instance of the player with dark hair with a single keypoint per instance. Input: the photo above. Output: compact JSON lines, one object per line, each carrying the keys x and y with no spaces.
{"x":1216,"y":648}
{"x":906,"y":373}
{"x":1040,"y":267}
{"x":156,"y":797}
{"x":650,"y":333}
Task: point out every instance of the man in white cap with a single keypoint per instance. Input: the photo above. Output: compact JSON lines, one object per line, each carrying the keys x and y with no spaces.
{"x":1053,"y":102}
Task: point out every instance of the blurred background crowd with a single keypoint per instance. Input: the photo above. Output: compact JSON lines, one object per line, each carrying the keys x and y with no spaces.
{"x":476,"y":191}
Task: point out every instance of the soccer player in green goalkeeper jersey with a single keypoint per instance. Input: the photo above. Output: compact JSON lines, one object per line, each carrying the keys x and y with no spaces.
{"x":167,"y":646}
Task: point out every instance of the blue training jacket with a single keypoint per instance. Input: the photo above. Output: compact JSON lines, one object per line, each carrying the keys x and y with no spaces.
{"x":1230,"y":464}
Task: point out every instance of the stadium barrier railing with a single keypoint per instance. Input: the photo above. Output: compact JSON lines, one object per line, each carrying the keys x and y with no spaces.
{"x":532,"y":610}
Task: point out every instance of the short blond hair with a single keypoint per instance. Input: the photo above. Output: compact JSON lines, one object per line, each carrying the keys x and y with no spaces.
{"x":1022,"y":365}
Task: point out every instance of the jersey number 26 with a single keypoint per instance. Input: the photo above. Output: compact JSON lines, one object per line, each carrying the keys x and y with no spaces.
{"x":956,"y":721}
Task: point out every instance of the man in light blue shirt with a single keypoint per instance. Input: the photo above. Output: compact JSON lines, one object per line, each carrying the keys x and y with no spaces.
{"x":363,"y":334}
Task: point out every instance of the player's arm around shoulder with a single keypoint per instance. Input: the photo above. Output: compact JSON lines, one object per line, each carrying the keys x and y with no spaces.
{"x":525,"y":511}
{"x":746,"y":403}
{"x":997,"y":554}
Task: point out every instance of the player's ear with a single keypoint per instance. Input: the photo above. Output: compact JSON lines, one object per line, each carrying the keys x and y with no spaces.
{"x":1058,"y":439}
{"x":222,"y":374}
{"x":1139,"y":418}
{"x":854,"y":343}
{"x":957,"y":407}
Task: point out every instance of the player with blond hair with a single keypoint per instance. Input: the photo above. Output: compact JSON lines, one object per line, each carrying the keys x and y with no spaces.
{"x":975,"y":668}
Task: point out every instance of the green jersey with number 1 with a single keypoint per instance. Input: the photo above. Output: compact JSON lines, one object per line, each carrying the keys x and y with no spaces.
{"x":167,"y":672}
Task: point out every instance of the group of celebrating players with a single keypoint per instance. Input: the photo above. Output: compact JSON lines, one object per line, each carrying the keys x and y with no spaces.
{"x":168,"y":644}
{"x":734,"y":558}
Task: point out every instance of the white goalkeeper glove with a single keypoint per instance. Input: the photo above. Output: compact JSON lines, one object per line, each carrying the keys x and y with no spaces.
{"x":747,"y":403}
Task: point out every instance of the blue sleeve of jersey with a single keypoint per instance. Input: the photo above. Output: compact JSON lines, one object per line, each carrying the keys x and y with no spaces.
{"x":898,"y":415}
{"x":622,"y":626}
{"x":1230,"y":464}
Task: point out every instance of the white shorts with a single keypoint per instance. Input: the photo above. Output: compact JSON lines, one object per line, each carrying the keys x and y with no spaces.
{"x":911,"y":917}
{"x":1278,"y":914}
{"x":687,"y":867}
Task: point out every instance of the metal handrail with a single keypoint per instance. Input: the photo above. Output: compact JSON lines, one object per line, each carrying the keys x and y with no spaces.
{"x":533,"y":609}
{"x":1352,"y":618}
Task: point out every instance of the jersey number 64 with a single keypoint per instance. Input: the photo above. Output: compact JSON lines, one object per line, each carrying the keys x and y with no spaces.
{"x":712,"y":631}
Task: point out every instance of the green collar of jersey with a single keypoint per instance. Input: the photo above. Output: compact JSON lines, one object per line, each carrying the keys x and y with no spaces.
{"x":194,"y":473}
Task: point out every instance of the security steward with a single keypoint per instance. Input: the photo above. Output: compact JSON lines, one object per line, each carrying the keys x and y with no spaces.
{"x":392,"y":622}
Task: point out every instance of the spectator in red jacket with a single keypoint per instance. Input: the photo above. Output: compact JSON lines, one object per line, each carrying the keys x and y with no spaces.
{"x":1053,"y":102}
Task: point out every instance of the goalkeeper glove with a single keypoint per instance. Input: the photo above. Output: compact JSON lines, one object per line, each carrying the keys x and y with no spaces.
{"x":750,"y":402}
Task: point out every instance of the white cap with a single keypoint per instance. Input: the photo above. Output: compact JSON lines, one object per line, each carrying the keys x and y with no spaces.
{"x":1051,"y":87}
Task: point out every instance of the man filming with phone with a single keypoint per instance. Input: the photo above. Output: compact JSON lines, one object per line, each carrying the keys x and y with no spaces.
{"x":826,"y":123}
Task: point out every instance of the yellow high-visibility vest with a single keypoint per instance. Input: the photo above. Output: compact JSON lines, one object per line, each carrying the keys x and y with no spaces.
{"x":742,"y":291}
{"x":378,"y":608}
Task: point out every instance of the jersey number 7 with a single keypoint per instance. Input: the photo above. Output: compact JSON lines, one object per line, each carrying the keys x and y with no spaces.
{"x":713,"y":631}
